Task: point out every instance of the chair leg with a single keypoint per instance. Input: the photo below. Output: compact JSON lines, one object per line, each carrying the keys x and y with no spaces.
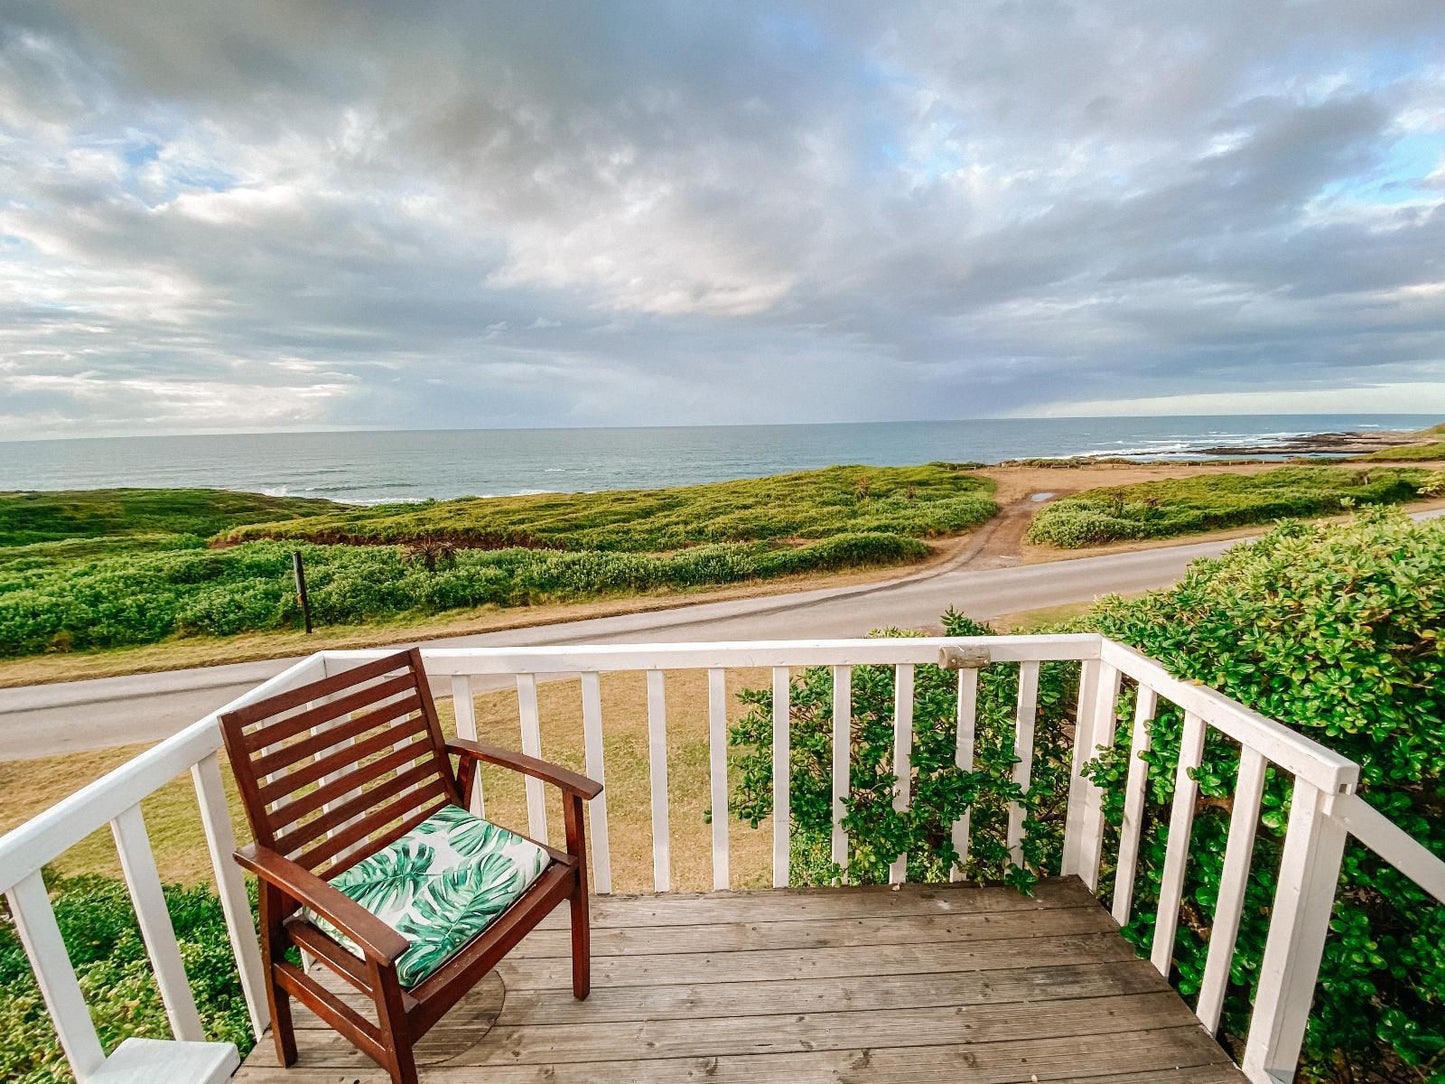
{"x":581,"y":942}
{"x":393,"y":1024}
{"x":278,"y":1000}
{"x":282,"y":1030}
{"x":581,"y":921}
{"x":403,"y":1064}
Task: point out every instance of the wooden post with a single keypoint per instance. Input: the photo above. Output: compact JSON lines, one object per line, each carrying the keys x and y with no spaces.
{"x":301,"y":598}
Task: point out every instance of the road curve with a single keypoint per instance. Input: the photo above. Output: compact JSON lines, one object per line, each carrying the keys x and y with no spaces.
{"x":43,"y":720}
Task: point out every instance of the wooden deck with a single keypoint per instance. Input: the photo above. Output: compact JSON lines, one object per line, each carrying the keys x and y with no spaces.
{"x":927,"y":982}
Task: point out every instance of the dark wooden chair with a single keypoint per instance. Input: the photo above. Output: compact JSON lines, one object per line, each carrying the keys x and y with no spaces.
{"x":337,"y":771}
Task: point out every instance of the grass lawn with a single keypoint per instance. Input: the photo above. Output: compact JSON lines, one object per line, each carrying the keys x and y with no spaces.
{"x":917,"y":502}
{"x":402,"y":564}
{"x":55,"y":516}
{"x":1179,"y":506}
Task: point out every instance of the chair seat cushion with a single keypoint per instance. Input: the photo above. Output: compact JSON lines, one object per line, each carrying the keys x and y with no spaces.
{"x":441,"y":885}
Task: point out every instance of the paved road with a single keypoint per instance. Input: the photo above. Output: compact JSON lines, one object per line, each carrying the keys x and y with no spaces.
{"x":42,"y":720}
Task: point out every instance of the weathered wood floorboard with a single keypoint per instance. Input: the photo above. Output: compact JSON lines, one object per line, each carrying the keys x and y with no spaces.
{"x":933,"y":982}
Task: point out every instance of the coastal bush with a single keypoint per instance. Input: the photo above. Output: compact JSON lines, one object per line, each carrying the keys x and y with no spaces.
{"x":1336,"y":630}
{"x":1206,"y":502}
{"x":941,"y":792}
{"x":51,"y":516}
{"x":98,"y":924}
{"x":921,"y":501}
{"x":144,"y":598}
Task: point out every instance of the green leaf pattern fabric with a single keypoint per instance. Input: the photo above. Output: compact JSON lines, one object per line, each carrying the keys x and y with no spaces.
{"x":440,"y":885}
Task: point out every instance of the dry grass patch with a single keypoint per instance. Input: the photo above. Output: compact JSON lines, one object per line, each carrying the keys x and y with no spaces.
{"x":30,"y":786}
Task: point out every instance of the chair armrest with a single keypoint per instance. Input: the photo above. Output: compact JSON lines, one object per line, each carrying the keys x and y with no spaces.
{"x":555,"y":774}
{"x":377,"y":940}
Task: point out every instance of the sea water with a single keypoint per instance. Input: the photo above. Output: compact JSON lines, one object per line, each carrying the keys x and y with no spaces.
{"x":376,"y":467}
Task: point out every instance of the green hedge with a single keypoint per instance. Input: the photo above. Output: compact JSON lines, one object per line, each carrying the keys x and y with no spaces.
{"x":144,"y":598}
{"x":1209,"y":502}
{"x":924,"y":501}
{"x":1338,"y":631}
{"x":100,"y":931}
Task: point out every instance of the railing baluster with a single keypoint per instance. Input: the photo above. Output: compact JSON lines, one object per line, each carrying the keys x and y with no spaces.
{"x":657,"y":774}
{"x":40,"y":934}
{"x":532,"y":746}
{"x":1176,"y":853}
{"x":782,"y":775}
{"x":597,"y":807}
{"x":1028,"y":701}
{"x":1238,"y":851}
{"x":1309,"y":873}
{"x":464,"y":708}
{"x":963,"y":757}
{"x":717,"y":753}
{"x":1101,"y":735}
{"x":231,"y":887}
{"x":1083,"y":729}
{"x":138,"y":866}
{"x":902,"y":756}
{"x":1145,"y":705}
{"x":842,"y":762}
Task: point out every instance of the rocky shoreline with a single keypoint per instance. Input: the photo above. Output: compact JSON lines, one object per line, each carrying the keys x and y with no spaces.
{"x":1318,"y":444}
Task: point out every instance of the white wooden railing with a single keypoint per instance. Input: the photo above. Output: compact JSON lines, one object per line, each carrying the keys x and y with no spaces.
{"x":1324,"y":811}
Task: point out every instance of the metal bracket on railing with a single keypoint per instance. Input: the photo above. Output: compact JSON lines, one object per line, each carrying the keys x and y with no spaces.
{"x":963,"y":658}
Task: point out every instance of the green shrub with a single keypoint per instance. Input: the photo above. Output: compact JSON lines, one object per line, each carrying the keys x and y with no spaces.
{"x":144,"y":598}
{"x":50,"y":516}
{"x":921,"y":501}
{"x":1339,"y":632}
{"x":1208,"y":502}
{"x":1336,"y":630}
{"x":98,"y":924}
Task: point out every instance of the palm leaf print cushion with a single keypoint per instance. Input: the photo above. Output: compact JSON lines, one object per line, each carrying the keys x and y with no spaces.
{"x":440,"y":885}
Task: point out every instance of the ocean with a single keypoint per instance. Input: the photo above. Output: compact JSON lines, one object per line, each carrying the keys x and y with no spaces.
{"x":377,"y":467}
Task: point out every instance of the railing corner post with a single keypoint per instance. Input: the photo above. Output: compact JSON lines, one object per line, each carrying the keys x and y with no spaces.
{"x":1299,"y":923}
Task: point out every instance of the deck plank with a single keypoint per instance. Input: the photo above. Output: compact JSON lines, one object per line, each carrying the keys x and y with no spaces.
{"x":868,"y":985}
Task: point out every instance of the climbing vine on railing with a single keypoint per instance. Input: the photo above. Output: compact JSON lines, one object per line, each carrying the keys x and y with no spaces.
{"x":941,"y":792}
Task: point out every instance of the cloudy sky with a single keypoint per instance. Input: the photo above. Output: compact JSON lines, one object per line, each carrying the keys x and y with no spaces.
{"x":242,"y":216}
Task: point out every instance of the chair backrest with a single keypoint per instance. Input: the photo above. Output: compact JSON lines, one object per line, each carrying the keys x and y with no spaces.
{"x":333,"y":771}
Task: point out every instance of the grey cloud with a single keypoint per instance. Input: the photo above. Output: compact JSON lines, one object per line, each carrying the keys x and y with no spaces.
{"x":247,"y":214}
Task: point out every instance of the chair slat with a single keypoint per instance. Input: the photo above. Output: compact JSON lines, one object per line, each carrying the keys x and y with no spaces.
{"x":342,"y":812}
{"x":369,"y":836}
{"x":326,"y":736}
{"x":346,"y":783}
{"x":1176,"y":853}
{"x":293,"y":781}
{"x":376,"y":817}
{"x":326,"y":710}
{"x":274,"y":706}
